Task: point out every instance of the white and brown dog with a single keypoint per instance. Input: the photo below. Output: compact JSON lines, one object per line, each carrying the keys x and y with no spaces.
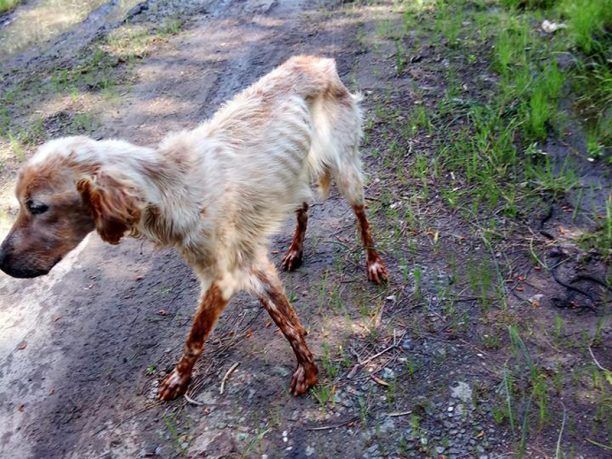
{"x":216,"y":193}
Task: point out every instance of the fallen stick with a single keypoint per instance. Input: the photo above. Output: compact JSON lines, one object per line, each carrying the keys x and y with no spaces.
{"x":397,"y":414}
{"x":595,"y":360}
{"x":393,"y":346}
{"x":192,"y":401}
{"x":227,"y":375}
{"x":359,"y":364}
{"x":333,"y":426}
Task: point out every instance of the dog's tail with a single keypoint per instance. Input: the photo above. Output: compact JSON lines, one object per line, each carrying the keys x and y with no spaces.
{"x":336,"y":124}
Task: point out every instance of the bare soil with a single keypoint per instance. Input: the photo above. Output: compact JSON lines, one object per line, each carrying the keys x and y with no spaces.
{"x":83,"y":349}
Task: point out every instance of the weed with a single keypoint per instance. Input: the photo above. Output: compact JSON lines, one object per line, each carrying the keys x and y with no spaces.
{"x":417,"y":274}
{"x":491,"y":341}
{"x":171,"y":26}
{"x":329,"y":365}
{"x":324,"y":394}
{"x":587,"y":20}
{"x":546,"y":179}
{"x":255,"y":443}
{"x":150,"y":370}
{"x":7,"y":5}
{"x":172,"y":426}
{"x":83,"y":123}
{"x":601,"y":238}
{"x":400,"y":57}
{"x":363,"y":410}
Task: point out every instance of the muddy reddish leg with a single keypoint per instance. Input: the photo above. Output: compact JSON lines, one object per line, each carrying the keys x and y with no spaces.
{"x":275,"y":301}
{"x":377,"y":271}
{"x":293,"y":257}
{"x":210,"y":309}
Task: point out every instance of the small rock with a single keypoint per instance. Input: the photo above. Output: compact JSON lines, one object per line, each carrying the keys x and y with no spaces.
{"x":536,"y":300}
{"x":148,"y":451}
{"x":462,"y":391}
{"x":551,"y":27}
{"x":407,"y":343}
{"x":388,"y":373}
{"x":309,"y":451}
{"x":388,"y":425}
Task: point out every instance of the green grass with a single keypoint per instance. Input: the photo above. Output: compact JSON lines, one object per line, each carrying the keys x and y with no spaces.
{"x":524,"y":393}
{"x":587,"y":20}
{"x":7,"y":5}
{"x":601,"y":238}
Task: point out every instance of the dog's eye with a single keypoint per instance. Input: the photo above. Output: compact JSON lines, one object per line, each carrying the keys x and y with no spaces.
{"x":36,"y":208}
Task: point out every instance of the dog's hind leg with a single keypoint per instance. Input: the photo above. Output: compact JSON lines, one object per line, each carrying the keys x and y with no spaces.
{"x":348,"y":179}
{"x":274,"y":300}
{"x":293,"y":257}
{"x":211,"y":306}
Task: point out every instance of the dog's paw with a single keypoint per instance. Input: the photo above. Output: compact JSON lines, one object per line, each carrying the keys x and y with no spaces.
{"x":304,"y":377}
{"x":377,"y":271}
{"x":292,"y":260}
{"x":174,"y":385}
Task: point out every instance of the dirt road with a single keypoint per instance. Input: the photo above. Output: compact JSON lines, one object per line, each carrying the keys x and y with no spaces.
{"x":76,"y":344}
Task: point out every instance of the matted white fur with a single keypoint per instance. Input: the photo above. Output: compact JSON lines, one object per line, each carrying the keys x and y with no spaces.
{"x":218,"y":192}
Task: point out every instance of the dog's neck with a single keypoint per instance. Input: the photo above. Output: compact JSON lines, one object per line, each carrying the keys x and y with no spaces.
{"x":158,"y":177}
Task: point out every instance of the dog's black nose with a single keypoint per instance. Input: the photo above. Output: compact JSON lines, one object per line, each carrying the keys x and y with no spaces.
{"x":3,"y":258}
{"x":14,"y":269}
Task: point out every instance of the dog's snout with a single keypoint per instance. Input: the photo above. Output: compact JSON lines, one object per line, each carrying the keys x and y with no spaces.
{"x":3,"y":257}
{"x":11,"y":265}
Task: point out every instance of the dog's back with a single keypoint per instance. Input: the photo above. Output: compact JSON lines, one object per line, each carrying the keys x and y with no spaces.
{"x":255,"y":160}
{"x":300,"y":114}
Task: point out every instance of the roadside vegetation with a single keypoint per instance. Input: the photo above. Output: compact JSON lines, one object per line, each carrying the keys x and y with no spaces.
{"x":76,"y":90}
{"x":523,"y":118}
{"x":7,"y":5}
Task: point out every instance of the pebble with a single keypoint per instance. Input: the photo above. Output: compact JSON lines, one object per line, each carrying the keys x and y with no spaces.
{"x":462,"y":391}
{"x":388,"y":373}
{"x":388,"y":425}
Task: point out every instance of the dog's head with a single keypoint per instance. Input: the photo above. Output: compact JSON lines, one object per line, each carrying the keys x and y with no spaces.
{"x":64,"y":192}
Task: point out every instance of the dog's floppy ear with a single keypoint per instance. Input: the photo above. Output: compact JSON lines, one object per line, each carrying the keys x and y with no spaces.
{"x":114,"y":204}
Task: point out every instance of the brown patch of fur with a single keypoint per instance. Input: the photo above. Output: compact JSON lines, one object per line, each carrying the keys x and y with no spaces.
{"x":210,"y":309}
{"x":293,"y":257}
{"x":114,"y":206}
{"x":277,"y":304}
{"x":377,"y":272}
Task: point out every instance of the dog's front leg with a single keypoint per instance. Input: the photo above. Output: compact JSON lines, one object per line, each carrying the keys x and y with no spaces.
{"x":212,"y":304}
{"x":273,"y":298}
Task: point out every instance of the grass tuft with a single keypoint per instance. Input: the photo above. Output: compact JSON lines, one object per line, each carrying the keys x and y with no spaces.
{"x":8,"y":5}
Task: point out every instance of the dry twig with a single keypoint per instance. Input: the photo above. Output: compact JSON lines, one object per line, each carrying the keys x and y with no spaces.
{"x":227,"y":375}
